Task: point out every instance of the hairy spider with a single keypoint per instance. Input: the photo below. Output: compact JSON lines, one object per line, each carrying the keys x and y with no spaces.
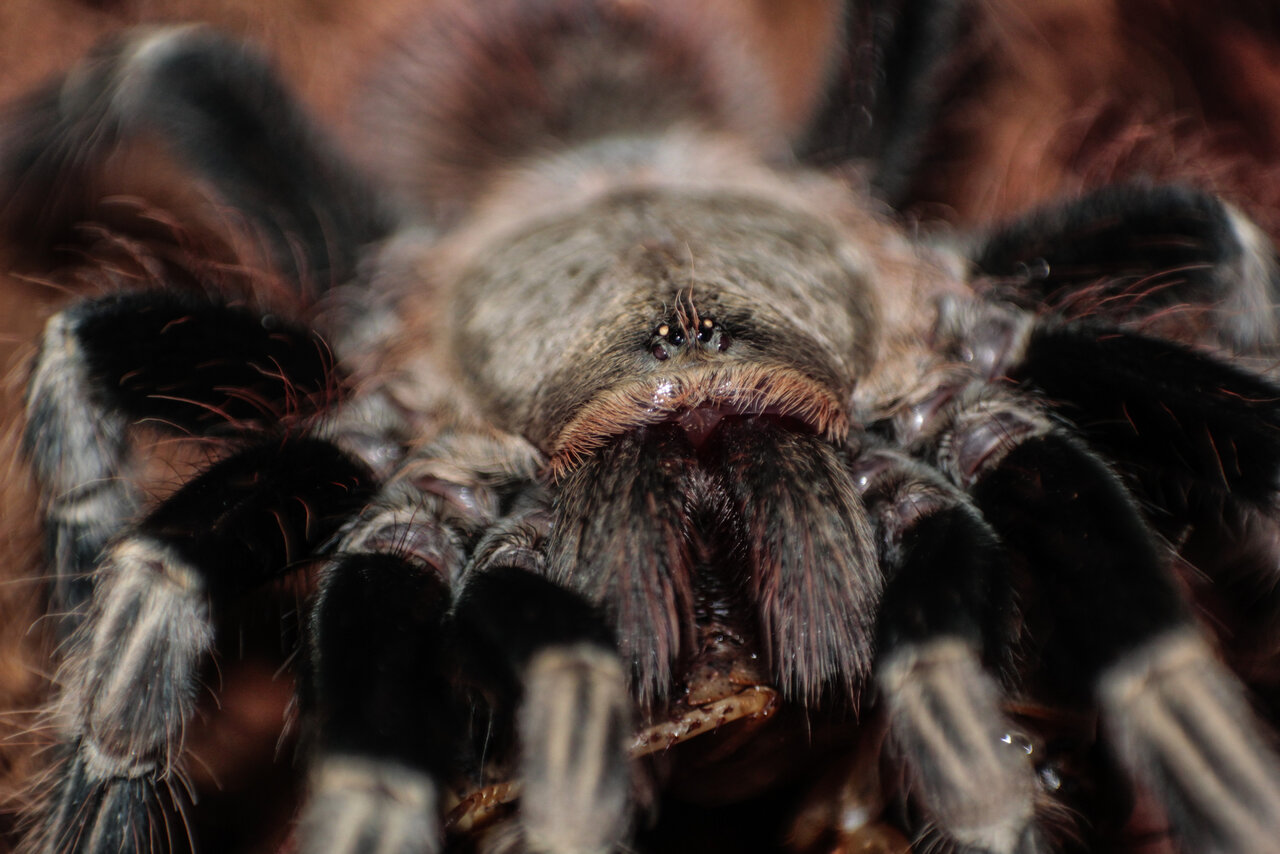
{"x":614,"y":433}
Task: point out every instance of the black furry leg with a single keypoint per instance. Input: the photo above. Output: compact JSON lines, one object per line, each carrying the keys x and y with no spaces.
{"x":1166,"y":411}
{"x":541,"y":650}
{"x":175,"y":362}
{"x":390,"y":737}
{"x":216,"y":110}
{"x":1196,"y":438}
{"x":376,"y":693}
{"x":947,"y":588}
{"x":1164,"y":256}
{"x":1173,"y":714}
{"x":130,"y":677}
{"x":382,"y":704}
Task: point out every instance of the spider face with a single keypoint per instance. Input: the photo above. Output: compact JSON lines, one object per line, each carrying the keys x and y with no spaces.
{"x":669,"y":322}
{"x":645,"y":449}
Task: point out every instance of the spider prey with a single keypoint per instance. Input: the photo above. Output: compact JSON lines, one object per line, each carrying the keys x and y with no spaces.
{"x":606,"y":423}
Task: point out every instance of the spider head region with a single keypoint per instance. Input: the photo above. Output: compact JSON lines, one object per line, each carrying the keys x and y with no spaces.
{"x":699,"y":378}
{"x":696,"y":336}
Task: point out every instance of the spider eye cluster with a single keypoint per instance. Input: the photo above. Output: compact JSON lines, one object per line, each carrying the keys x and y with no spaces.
{"x":669,"y":338}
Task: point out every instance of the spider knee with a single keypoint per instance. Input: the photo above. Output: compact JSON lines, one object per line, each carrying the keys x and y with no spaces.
{"x":127,"y":684}
{"x":71,"y":440}
{"x":573,"y":732}
{"x":978,"y":786}
{"x":365,"y":804}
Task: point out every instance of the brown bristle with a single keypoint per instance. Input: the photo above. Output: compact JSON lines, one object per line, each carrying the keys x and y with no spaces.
{"x":746,"y":391}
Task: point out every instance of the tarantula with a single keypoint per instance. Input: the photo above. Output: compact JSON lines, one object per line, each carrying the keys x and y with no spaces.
{"x":609,"y":424}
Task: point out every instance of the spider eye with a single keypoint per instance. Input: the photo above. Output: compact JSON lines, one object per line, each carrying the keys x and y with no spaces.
{"x":673,"y":336}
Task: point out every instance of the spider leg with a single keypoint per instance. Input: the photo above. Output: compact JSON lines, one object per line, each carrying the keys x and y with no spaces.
{"x":130,"y":675}
{"x":1122,"y":632}
{"x":186,"y":98}
{"x":947,"y":587}
{"x":1195,"y":437}
{"x":216,"y":112}
{"x":1164,"y":410}
{"x":1167,"y":257}
{"x":526,"y":639}
{"x":882,"y":94}
{"x":538,"y":653}
{"x":1197,"y":440}
{"x":176,"y":362}
{"x":385,"y":736}
{"x":140,"y":623}
{"x":385,"y":733}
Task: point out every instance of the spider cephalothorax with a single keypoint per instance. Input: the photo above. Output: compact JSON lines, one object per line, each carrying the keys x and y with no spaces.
{"x":613,"y":431}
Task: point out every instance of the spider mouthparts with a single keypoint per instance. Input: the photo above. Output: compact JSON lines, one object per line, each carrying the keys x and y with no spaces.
{"x":698,"y":424}
{"x":699,"y":403}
